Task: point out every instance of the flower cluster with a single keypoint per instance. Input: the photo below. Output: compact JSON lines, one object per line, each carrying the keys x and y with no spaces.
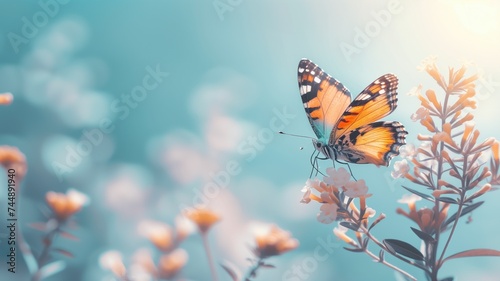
{"x":336,"y":193}
{"x":274,"y":242}
{"x":166,"y":241}
{"x":451,"y":162}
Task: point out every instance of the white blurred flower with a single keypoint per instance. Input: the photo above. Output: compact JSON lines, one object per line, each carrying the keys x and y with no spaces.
{"x":328,"y":213}
{"x":409,"y":198}
{"x":307,"y":193}
{"x":408,"y":151}
{"x":426,"y":63}
{"x":356,"y":189}
{"x":65,"y":205}
{"x":113,"y":261}
{"x":158,"y":233}
{"x":421,"y":113}
{"x":415,"y":91}
{"x":401,"y":168}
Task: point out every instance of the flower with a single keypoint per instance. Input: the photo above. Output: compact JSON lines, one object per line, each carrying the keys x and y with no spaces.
{"x":306,"y":198}
{"x":427,"y":63}
{"x":356,"y":189}
{"x":408,"y":151}
{"x":170,"y":264}
{"x":6,"y":98}
{"x":401,"y":168}
{"x":328,"y":213}
{"x":337,"y":178}
{"x":158,"y":233}
{"x":112,"y":261}
{"x":274,"y":242}
{"x":66,"y":205}
{"x":12,"y":158}
{"x":183,"y":227}
{"x":409,"y":199}
{"x":415,"y":91}
{"x":340,"y":231}
{"x":319,"y":186}
{"x":142,"y":265}
{"x":203,"y":218}
{"x":421,"y":113}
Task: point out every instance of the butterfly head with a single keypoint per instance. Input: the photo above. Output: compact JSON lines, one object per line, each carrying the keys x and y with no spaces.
{"x":326,"y":150}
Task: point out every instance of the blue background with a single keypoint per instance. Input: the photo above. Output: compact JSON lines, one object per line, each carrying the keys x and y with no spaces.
{"x":228,"y":72}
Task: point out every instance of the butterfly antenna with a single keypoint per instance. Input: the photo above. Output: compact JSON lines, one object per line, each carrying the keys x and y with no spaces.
{"x":293,"y":135}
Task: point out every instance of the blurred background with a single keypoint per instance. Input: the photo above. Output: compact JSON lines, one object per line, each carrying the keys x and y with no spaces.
{"x":139,"y":104}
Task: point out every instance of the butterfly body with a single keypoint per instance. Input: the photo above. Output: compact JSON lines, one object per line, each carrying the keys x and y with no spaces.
{"x":350,"y":131}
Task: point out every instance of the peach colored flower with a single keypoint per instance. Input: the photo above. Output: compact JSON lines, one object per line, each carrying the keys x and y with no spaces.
{"x":12,"y":158}
{"x":6,"y":98}
{"x":203,"y":218}
{"x":328,"y":213}
{"x":183,"y":227}
{"x":427,"y":63}
{"x":401,"y":168}
{"x":113,"y":261}
{"x":324,"y":190}
{"x":143,"y":264}
{"x":66,"y":205}
{"x":337,"y":178}
{"x":274,"y":242}
{"x":415,"y":91}
{"x":356,"y":189}
{"x":408,"y":151}
{"x":159,"y":234}
{"x":171,"y":264}
{"x":409,"y":199}
{"x":420,"y":114}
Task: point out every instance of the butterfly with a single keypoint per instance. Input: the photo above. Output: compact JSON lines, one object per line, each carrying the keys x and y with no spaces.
{"x":349,"y":130}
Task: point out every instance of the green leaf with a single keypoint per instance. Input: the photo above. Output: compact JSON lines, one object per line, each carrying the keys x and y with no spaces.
{"x":474,"y":253}
{"x":350,"y":225}
{"x":447,"y":200}
{"x":423,"y":195}
{"x":51,"y":269}
{"x":465,"y":211}
{"x":424,"y":236}
{"x":64,"y":252}
{"x":355,"y":250}
{"x":404,"y":249}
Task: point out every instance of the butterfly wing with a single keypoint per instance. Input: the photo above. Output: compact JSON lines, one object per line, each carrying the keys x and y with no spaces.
{"x":373,"y":103}
{"x":375,"y":143}
{"x":324,"y":98}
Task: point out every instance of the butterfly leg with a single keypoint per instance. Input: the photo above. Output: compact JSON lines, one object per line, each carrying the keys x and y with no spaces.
{"x":349,"y":167}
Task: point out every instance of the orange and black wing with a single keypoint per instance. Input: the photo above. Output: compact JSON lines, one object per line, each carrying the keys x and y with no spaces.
{"x":375,"y":143}
{"x":373,"y":103}
{"x":325,"y":99}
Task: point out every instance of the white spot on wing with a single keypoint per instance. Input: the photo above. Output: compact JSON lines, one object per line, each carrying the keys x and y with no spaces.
{"x":316,"y":79}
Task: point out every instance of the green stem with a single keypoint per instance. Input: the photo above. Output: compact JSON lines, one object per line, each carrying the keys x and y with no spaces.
{"x":42,"y":259}
{"x":204,"y":237}
{"x":254,"y":269}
